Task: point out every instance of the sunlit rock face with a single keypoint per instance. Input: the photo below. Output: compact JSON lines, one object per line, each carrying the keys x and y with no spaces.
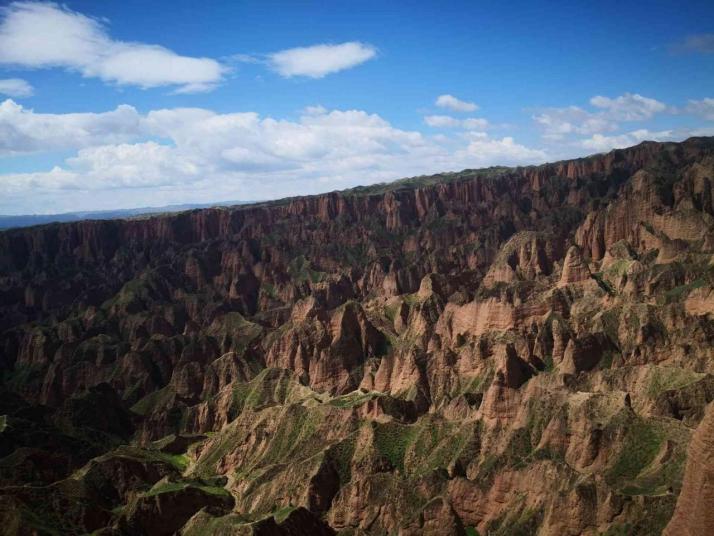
{"x":498,"y":351}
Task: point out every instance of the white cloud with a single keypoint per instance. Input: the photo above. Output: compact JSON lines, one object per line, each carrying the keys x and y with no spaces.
{"x":474,"y":123}
{"x":557,"y":123}
{"x":446,"y":121}
{"x":315,"y":110}
{"x":320,"y":60}
{"x":189,"y":154}
{"x":601,"y":143}
{"x":701,"y":108}
{"x":485,"y":151}
{"x":629,"y":107}
{"x":110,"y":167}
{"x":441,"y":121}
{"x":16,"y":87}
{"x":24,"y":131}
{"x":457,"y":105}
{"x":45,"y":35}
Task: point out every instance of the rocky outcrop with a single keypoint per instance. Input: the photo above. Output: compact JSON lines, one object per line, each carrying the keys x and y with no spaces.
{"x":575,"y":269}
{"x":165,"y":509}
{"x":693,"y":515}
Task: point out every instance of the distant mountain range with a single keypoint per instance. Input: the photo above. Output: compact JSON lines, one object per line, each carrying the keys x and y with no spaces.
{"x":27,"y":220}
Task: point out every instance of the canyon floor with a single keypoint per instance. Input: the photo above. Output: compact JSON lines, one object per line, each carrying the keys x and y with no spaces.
{"x":502,"y":351}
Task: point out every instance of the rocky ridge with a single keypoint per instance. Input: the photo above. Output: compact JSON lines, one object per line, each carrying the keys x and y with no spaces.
{"x":501,"y":351}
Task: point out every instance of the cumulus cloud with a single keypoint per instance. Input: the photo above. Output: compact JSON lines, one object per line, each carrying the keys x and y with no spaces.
{"x":24,"y":131}
{"x":441,"y":121}
{"x":110,"y":167}
{"x":454,"y":104}
{"x":628,"y":107}
{"x":557,"y":123}
{"x":16,"y":87}
{"x":133,"y":165}
{"x":446,"y":121}
{"x":601,"y":143}
{"x":45,"y":35}
{"x":485,"y":151}
{"x":233,"y":155}
{"x":320,"y":60}
{"x":701,"y":108}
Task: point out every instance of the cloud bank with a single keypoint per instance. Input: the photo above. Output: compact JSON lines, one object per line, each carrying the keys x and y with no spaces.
{"x":194,"y":152}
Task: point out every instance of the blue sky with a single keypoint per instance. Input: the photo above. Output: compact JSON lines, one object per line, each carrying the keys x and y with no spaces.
{"x":124,"y":104}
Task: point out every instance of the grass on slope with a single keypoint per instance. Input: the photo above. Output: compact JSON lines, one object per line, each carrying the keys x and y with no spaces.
{"x":168,"y":487}
{"x":651,"y":459}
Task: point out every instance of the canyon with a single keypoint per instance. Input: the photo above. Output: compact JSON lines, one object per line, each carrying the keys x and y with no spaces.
{"x":501,"y":351}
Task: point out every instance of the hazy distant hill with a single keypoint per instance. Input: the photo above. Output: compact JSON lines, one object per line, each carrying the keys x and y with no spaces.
{"x":27,"y":220}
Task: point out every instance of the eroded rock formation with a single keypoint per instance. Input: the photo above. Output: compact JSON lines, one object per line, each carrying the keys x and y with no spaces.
{"x":497,"y":351}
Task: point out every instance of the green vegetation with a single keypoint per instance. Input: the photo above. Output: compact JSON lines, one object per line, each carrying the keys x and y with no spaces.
{"x":137,"y":292}
{"x":342,"y":454}
{"x":270,"y":387}
{"x":234,"y":331}
{"x":390,"y":311}
{"x":437,"y":444}
{"x":642,"y":443}
{"x":650,"y":517}
{"x":521,"y":450}
{"x":160,"y":398}
{"x":523,"y":523}
{"x":282,"y":514}
{"x":472,"y":385}
{"x":300,"y":270}
{"x":165,"y":487}
{"x":269,"y":290}
{"x":179,"y":461}
{"x":289,"y":435}
{"x":354,"y":399}
{"x":619,"y":530}
{"x":603,"y":283}
{"x":170,"y":487}
{"x":610,"y":323}
{"x":655,"y":516}
{"x":618,"y":268}
{"x":651,"y":460}
{"x":669,"y":378}
{"x":427,"y":180}
{"x":392,"y":440}
{"x":680,"y":292}
{"x":606,"y":360}
{"x":209,"y":525}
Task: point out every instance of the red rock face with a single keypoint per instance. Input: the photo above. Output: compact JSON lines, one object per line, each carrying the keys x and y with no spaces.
{"x":515,"y":351}
{"x":694,"y":515}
